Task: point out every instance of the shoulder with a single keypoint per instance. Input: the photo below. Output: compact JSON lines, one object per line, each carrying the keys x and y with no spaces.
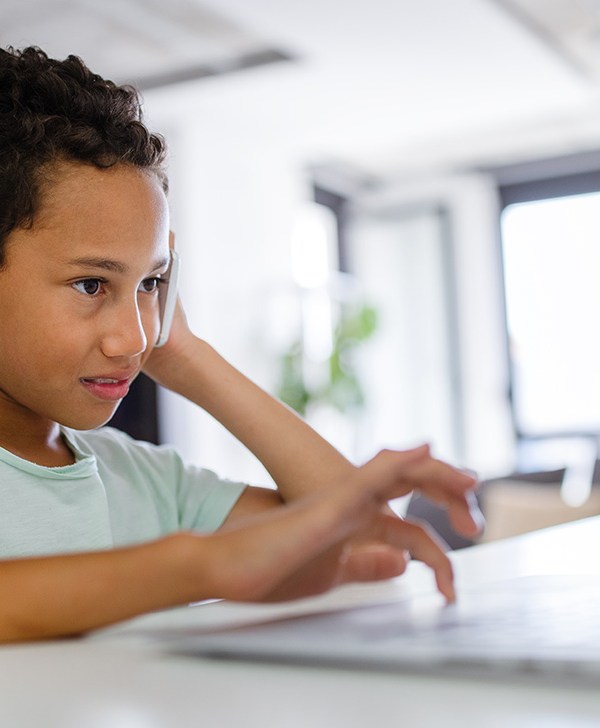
{"x":197,"y":497}
{"x":108,"y":443}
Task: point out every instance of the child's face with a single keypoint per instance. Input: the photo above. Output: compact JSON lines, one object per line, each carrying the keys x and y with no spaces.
{"x":79,"y":308}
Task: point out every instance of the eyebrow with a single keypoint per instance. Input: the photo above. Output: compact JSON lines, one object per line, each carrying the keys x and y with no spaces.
{"x":114,"y":266}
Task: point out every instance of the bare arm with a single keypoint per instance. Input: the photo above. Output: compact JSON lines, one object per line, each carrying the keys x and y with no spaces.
{"x":281,"y":553}
{"x":65,"y":595}
{"x":300,"y":460}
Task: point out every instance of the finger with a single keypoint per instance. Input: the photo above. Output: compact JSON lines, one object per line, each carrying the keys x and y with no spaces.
{"x":436,"y":477}
{"x":373,"y":562}
{"x":423,"y":545}
{"x":463,"y":511}
{"x":453,"y":489}
{"x":465,"y":515}
{"x":171,"y":240}
{"x":420,"y":542}
{"x":390,"y":473}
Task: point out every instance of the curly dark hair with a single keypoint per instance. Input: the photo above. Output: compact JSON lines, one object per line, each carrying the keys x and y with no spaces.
{"x":52,"y":111}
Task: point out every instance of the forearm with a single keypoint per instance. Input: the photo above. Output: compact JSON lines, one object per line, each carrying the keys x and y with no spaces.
{"x":68,"y":595}
{"x":277,"y":552}
{"x":299,"y":460}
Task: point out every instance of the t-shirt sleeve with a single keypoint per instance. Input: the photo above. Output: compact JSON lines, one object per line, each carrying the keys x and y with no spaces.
{"x":151,"y":491}
{"x":204,"y":500}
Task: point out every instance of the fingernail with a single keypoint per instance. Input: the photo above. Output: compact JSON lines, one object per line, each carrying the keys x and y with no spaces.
{"x":450,"y":593}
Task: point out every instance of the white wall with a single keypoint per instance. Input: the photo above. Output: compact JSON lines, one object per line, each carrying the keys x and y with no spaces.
{"x":398,"y":256}
{"x":233,"y":197}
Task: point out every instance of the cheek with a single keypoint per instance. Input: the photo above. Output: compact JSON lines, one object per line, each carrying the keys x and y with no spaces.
{"x":22,"y":340}
{"x":40,"y":338}
{"x":150,"y":316}
{"x":49,"y":354}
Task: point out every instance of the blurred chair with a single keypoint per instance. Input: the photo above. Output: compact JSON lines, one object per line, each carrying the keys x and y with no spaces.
{"x":512,"y":505}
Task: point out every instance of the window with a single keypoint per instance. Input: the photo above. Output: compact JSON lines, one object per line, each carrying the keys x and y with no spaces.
{"x":550,"y":236}
{"x":551,"y":253}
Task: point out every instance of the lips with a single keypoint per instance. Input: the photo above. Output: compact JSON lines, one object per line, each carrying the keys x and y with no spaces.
{"x":109,"y":389}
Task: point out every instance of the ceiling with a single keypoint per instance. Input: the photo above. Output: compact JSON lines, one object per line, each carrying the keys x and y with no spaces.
{"x":378,"y":85}
{"x":147,"y":42}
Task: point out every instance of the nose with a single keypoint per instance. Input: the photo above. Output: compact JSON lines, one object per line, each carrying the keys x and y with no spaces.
{"x":124,"y":334}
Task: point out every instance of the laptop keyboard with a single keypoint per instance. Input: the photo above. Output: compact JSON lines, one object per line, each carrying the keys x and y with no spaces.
{"x":534,"y":615}
{"x":546,"y":626}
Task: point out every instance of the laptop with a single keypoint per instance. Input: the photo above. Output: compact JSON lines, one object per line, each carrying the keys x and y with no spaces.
{"x":532,"y":625}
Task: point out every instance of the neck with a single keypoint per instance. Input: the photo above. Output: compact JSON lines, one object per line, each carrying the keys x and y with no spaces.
{"x":38,"y":441}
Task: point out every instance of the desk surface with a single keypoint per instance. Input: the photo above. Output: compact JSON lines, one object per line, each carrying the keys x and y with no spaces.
{"x":120,"y":678}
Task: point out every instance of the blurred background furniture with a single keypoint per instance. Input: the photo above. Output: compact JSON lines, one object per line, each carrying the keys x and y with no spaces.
{"x":515,"y":504}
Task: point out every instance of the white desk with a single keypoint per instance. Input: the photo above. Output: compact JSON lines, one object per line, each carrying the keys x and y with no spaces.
{"x":119,"y":678}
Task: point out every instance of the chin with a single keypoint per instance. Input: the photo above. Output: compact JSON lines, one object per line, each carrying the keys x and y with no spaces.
{"x":88,"y":421}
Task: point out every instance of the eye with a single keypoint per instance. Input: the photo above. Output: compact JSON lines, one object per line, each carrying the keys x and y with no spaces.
{"x":149,"y":285}
{"x":89,"y":286}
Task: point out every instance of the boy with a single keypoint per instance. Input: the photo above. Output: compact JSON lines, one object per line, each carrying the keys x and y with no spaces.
{"x":95,"y":527}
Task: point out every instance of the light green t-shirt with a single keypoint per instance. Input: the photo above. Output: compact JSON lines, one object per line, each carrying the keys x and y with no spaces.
{"x":119,"y":491}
